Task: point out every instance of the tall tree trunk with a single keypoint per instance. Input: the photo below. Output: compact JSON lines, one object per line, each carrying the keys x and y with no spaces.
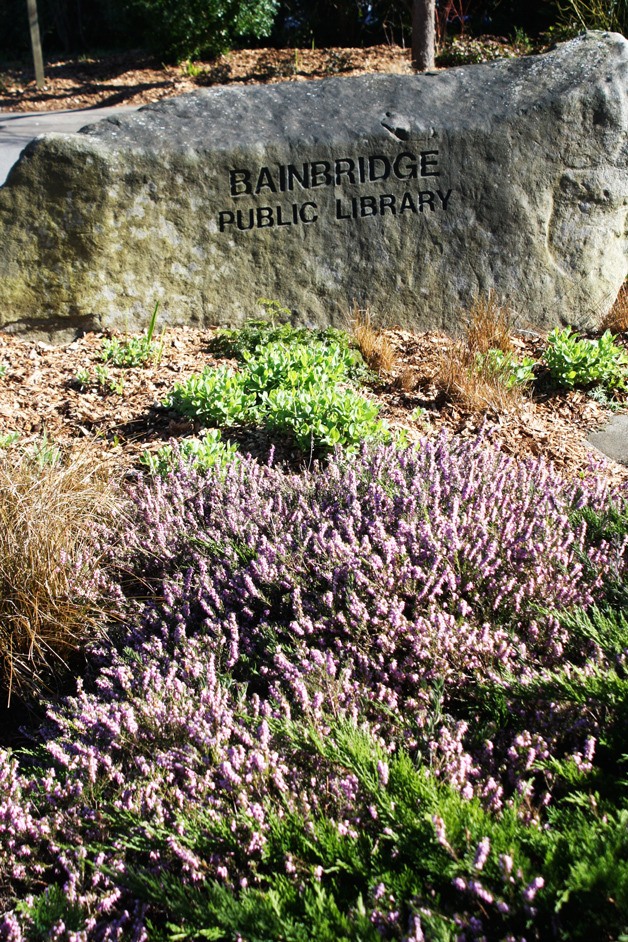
{"x":423,"y":34}
{"x":38,"y":59}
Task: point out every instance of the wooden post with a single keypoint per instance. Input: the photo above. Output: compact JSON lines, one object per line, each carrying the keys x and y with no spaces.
{"x":38,"y":59}
{"x":423,"y":34}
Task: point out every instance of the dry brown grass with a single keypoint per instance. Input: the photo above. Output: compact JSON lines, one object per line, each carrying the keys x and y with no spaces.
{"x":50,"y":577}
{"x":617,"y":318}
{"x":488,"y":326}
{"x":407,"y":380}
{"x":374,"y":346}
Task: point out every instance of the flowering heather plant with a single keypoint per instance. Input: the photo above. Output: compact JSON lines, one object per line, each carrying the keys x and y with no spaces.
{"x":343,"y":710}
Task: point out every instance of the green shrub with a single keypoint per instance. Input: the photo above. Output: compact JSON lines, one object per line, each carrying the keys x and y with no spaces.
{"x":214,"y":397}
{"x":577,"y":362}
{"x":193,"y":29}
{"x":292,"y":380}
{"x":258,"y":333}
{"x":321,"y":418}
{"x":133,"y":351}
{"x":287,"y":364}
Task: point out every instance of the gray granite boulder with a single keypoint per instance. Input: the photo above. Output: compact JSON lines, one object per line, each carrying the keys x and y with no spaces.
{"x":409,"y":194}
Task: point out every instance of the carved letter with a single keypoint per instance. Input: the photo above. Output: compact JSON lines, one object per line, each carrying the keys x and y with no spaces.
{"x":342,"y":172}
{"x":304,"y":217}
{"x":385,"y":167}
{"x":407,"y":203}
{"x":240,"y":222}
{"x":320,"y":173}
{"x":225,"y":219}
{"x":425,"y":163}
{"x":368,"y":203}
{"x":444,"y":199}
{"x":265,"y":182}
{"x":264,"y":217}
{"x":410,"y":171}
{"x":240,"y":182}
{"x":387,"y":201}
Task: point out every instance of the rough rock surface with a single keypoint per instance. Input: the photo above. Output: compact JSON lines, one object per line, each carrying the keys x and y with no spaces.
{"x":409,"y":194}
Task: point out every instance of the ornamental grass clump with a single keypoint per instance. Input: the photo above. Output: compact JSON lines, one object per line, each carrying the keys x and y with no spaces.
{"x":340,"y":708}
{"x":51,"y":507}
{"x":373,"y":344}
{"x":617,"y":318}
{"x":481,"y":371}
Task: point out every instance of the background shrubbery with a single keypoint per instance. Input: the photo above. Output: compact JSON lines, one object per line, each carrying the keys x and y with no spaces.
{"x":178,"y":29}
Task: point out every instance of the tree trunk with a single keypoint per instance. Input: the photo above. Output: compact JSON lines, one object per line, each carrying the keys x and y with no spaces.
{"x":423,"y":34}
{"x":38,"y":59}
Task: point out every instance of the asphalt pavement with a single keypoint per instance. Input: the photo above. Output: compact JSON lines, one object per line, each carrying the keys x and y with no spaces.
{"x":17,"y":129}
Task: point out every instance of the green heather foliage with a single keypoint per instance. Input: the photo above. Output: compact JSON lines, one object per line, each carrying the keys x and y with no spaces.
{"x":578,"y":362}
{"x":295,"y":382}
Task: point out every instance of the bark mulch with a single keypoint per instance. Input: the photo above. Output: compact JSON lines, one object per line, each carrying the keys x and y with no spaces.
{"x":120,"y":411}
{"x":133,"y":78}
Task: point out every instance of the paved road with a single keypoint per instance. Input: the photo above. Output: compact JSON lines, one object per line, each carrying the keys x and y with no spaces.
{"x":18,"y":128}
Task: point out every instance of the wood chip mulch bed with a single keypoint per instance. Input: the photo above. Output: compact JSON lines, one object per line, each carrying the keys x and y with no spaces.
{"x":134,"y":78}
{"x":123,"y":413}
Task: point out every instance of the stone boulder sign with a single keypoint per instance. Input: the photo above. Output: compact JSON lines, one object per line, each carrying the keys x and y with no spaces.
{"x":409,"y":194}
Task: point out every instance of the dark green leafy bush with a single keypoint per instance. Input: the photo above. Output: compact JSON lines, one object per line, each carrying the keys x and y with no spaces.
{"x":191,"y":29}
